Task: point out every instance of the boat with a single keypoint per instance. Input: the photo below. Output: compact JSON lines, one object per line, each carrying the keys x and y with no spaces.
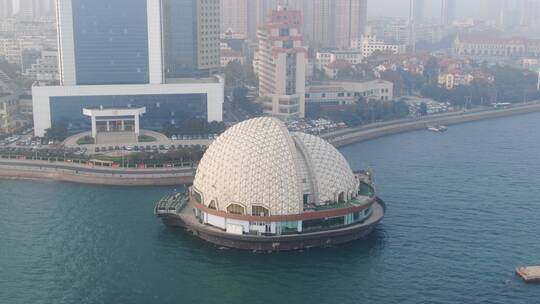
{"x":529,"y":274}
{"x":437,"y":128}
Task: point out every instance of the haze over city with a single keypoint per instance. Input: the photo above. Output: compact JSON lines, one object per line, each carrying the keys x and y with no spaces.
{"x":269,"y":151}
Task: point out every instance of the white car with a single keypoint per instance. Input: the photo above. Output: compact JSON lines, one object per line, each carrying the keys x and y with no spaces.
{"x":174,"y":137}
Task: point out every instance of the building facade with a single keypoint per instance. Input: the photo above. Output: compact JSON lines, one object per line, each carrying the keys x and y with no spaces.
{"x":125,"y":53}
{"x":486,"y":47}
{"x":281,"y":64}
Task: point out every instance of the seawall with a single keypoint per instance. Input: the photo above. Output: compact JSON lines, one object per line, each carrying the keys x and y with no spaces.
{"x":360,"y":135}
{"x":34,"y":170}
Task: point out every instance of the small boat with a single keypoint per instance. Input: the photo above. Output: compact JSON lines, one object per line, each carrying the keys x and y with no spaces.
{"x":437,"y":128}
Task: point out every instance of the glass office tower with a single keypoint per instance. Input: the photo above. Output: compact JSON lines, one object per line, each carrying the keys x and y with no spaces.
{"x":180,"y":38}
{"x":110,"y":41}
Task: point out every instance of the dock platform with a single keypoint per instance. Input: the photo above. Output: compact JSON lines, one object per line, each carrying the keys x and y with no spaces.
{"x":529,"y":274}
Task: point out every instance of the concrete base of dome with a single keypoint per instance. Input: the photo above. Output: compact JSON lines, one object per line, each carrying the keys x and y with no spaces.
{"x":299,"y":241}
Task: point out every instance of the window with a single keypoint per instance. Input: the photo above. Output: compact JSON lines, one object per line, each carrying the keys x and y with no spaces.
{"x":259,"y":211}
{"x":197,"y":196}
{"x":236,"y":209}
{"x":212,"y":205}
{"x":288,"y":44}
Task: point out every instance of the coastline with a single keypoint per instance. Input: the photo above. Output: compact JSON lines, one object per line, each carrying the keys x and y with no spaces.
{"x":75,"y":173}
{"x":356,"y":135}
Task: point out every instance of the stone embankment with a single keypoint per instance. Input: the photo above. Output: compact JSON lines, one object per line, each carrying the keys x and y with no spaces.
{"x":77,"y":173}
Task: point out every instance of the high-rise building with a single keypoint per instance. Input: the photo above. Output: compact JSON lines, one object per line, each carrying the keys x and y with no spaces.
{"x":31,"y":9}
{"x":350,"y":21}
{"x":234,"y":17}
{"x":530,"y":12}
{"x":191,"y":42}
{"x":494,"y":10}
{"x":138,"y":53}
{"x":417,"y":12}
{"x":281,"y":60}
{"x":6,"y":8}
{"x":208,"y":30}
{"x":448,"y":12}
{"x":319,"y":22}
{"x":52,"y":7}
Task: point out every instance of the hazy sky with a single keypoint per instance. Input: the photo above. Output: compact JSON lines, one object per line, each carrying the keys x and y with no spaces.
{"x":400,"y":8}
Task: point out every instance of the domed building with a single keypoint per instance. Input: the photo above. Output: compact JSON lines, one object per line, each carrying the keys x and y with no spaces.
{"x":260,"y":187}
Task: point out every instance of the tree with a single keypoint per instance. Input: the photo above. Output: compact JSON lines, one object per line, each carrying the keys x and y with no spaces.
{"x":239,"y":75}
{"x":436,"y":93}
{"x":431,"y":70}
{"x":240,"y":95}
{"x":234,"y":74}
{"x":57,"y":132}
{"x":423,"y":109}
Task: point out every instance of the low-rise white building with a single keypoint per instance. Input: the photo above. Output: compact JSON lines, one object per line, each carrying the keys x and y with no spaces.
{"x":452,"y":79}
{"x":324,"y":58}
{"x":343,"y":93}
{"x":229,"y":55}
{"x":369,"y":44}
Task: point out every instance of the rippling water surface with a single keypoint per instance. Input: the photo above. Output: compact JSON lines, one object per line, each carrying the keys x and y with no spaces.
{"x":464,"y":210}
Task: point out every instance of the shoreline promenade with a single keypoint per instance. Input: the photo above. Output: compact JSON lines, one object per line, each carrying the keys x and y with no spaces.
{"x":77,"y":173}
